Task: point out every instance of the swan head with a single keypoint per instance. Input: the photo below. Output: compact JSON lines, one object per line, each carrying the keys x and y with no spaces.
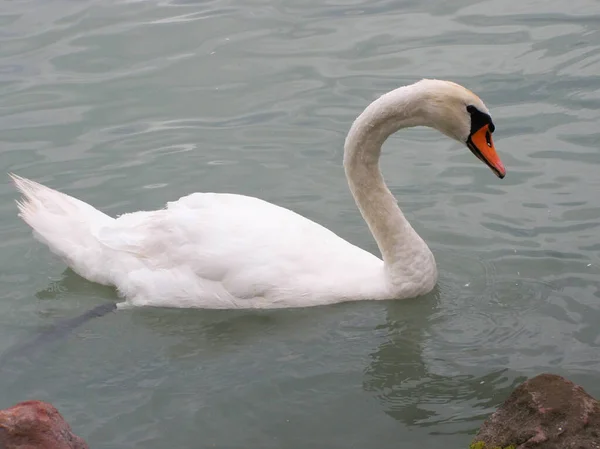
{"x":460,"y":114}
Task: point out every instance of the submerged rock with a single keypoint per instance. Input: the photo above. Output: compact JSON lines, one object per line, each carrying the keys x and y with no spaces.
{"x":545,"y":412}
{"x":36,"y":425}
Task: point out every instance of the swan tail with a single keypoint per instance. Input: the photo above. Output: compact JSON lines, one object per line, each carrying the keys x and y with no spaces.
{"x":66,"y":225}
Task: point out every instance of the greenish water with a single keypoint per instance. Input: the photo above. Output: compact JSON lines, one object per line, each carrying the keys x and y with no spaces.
{"x":127,"y":105}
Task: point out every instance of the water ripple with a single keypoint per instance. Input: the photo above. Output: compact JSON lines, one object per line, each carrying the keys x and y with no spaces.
{"x":129,"y":104}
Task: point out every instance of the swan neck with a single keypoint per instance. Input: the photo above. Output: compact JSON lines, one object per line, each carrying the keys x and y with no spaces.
{"x":402,"y":249}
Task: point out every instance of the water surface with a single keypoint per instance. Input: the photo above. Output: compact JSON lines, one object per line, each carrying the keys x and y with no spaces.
{"x":129,"y":104}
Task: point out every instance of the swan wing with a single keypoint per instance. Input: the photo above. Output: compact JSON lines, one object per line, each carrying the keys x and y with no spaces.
{"x":226,"y":250}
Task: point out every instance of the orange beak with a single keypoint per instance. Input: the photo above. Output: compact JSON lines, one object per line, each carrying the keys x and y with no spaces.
{"x":481,"y":145}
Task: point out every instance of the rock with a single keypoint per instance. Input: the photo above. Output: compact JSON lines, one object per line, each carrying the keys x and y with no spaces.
{"x":545,"y":412}
{"x":36,"y":425}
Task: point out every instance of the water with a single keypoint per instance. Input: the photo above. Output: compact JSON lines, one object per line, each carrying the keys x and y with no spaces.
{"x":128,"y":105}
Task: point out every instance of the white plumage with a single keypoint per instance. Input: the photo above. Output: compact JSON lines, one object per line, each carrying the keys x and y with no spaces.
{"x":215,"y":250}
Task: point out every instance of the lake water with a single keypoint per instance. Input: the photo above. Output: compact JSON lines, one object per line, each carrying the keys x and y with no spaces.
{"x":130,"y":104}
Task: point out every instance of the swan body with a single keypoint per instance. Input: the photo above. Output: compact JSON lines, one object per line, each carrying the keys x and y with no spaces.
{"x":223,"y":251}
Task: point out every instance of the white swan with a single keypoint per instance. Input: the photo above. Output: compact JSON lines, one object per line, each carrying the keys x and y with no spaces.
{"x":217,"y":250}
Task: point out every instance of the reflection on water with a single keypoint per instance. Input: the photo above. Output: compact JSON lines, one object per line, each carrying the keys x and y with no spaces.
{"x":448,"y":360}
{"x":410,"y":392}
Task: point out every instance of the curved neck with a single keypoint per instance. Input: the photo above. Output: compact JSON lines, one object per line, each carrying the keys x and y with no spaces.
{"x":404,"y":252}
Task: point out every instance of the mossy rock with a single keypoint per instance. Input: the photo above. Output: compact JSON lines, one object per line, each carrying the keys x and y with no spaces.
{"x":481,"y":445}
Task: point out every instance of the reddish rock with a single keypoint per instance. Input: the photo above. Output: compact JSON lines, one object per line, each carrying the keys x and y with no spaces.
{"x":36,"y":425}
{"x":545,"y":412}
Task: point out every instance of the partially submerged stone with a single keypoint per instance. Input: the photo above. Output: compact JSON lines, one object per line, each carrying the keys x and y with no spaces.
{"x":545,"y":412}
{"x":36,"y":425}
